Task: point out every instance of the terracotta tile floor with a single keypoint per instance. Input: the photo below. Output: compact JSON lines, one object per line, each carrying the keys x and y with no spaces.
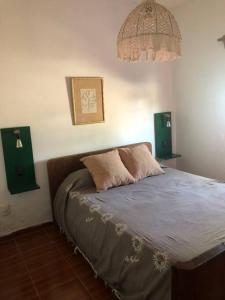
{"x":38,"y":263}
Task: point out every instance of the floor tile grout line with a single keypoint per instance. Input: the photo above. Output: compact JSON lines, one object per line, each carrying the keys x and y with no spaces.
{"x":55,"y":287}
{"x":47,"y":264}
{"x":61,"y":257}
{"x":83,"y":285}
{"x":37,"y":247}
{"x":22,"y":232}
{"x":27,"y":269}
{"x":26,"y":235}
{"x":77,"y":277}
{"x":50,"y":289}
{"x":59,"y":243}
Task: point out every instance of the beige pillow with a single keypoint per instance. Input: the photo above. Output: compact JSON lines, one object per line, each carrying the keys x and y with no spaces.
{"x":107,"y":170}
{"x":140,"y":162}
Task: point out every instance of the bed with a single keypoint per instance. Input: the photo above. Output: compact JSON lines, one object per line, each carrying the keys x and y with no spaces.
{"x":175,"y":250}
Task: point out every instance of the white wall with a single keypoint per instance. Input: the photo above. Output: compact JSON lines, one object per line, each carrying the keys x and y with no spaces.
{"x":43,"y":43}
{"x":199,"y":83}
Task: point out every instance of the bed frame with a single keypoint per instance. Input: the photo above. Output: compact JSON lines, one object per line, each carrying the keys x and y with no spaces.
{"x":203,"y":278}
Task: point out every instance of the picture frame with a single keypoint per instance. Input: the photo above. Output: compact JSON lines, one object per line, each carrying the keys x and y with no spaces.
{"x":88,"y":100}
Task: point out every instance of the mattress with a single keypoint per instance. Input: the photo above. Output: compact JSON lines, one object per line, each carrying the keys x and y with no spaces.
{"x":132,"y":235}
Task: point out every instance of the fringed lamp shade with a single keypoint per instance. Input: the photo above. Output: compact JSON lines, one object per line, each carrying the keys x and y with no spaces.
{"x":149,"y":33}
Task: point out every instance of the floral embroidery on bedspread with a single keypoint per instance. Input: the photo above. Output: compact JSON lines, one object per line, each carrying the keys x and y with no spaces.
{"x":160,"y":259}
{"x":137,"y":243}
{"x":83,"y":200}
{"x":120,"y":229}
{"x":106,"y":217}
{"x":94,"y":208}
{"x":89,"y":219}
{"x":132,"y":259}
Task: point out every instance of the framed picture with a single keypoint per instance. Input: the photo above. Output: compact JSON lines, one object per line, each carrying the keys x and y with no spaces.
{"x":88,"y":102}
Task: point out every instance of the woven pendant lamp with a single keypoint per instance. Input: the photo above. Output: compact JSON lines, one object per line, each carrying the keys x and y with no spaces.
{"x":149,"y":33}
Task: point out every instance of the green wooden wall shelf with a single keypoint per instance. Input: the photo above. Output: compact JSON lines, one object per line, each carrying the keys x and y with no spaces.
{"x":19,"y":162}
{"x":163,"y":136}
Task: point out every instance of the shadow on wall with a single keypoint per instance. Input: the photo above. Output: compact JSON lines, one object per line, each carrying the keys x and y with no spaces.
{"x":98,"y":37}
{"x":70,"y":97}
{"x":81,"y":31}
{"x":15,"y":217}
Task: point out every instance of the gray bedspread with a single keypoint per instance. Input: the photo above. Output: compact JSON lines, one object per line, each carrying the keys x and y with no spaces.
{"x":131,"y":235}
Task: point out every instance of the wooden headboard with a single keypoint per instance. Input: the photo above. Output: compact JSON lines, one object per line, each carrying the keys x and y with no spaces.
{"x":59,"y":168}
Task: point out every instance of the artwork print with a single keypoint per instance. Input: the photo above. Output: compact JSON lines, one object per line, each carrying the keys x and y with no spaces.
{"x":88,"y":103}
